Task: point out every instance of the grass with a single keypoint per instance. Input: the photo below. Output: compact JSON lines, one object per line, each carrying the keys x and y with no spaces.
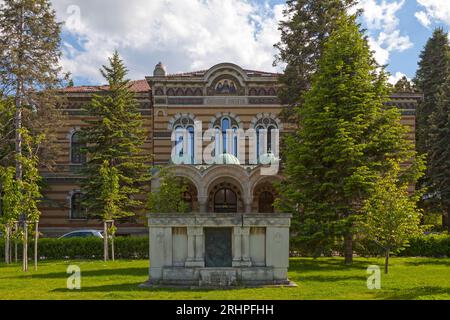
{"x":324,"y":278}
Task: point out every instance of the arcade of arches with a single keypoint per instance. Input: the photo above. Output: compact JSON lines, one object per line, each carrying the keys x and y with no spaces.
{"x":228,"y":189}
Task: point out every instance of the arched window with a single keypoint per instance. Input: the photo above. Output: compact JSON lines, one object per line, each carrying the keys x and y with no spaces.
{"x":225,"y":201}
{"x":77,"y":210}
{"x":226,"y":143}
{"x":77,"y":155}
{"x":264,"y":129}
{"x":265,"y":202}
{"x":184,"y":127}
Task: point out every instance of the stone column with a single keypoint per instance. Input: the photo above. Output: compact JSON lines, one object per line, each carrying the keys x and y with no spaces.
{"x":237,"y":252}
{"x":195,"y":247}
{"x":248,"y":206}
{"x":246,"y":246}
{"x":202,"y":204}
{"x":241,"y":256}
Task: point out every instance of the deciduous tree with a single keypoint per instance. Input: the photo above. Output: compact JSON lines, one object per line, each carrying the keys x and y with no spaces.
{"x":391,"y":214}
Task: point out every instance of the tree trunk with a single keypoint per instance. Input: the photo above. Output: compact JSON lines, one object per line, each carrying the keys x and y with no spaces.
{"x":7,"y":244}
{"x":386,"y":261}
{"x":16,"y":255}
{"x":105,"y":241}
{"x":25,"y":246}
{"x":112,"y":247}
{"x":348,"y":248}
{"x":112,"y":241}
{"x":36,"y":238}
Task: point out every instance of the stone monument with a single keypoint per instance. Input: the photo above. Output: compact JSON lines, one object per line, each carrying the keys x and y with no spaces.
{"x":219,"y":249}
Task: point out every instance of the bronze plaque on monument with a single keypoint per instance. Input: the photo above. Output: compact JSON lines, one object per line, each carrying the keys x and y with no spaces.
{"x":218,"y":247}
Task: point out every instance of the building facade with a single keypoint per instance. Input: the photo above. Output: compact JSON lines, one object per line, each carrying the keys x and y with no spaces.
{"x":224,"y":98}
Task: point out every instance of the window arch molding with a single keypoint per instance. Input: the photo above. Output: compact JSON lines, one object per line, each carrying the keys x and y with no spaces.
{"x":219,"y":116}
{"x":181,"y":119}
{"x":260,"y":118}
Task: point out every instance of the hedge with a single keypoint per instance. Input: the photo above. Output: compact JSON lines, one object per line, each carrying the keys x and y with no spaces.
{"x":85,"y":248}
{"x":434,"y":245}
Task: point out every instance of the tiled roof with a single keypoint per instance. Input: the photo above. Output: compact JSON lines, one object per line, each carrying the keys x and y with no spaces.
{"x":135,"y":86}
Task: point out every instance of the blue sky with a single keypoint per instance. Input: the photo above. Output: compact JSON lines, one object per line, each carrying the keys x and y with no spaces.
{"x":195,"y":34}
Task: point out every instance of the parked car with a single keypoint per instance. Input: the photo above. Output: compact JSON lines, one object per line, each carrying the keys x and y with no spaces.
{"x":82,"y":234}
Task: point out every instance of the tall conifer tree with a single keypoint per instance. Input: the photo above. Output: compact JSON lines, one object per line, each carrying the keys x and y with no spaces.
{"x":433,"y":71}
{"x":115,"y":134}
{"x":304,"y":31}
{"x":439,"y":152}
{"x":345,"y":138}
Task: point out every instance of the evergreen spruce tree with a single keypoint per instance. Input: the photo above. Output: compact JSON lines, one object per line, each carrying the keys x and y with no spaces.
{"x":345,"y":138}
{"x":439,"y":151}
{"x":433,"y":71}
{"x":115,"y":134}
{"x":305,"y":29}
{"x":404,"y":86}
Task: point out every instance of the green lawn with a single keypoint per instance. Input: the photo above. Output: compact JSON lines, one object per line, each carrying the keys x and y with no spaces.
{"x":324,"y":278}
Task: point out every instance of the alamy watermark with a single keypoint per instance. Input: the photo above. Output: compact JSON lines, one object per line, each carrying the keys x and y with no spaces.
{"x":74,"y":280}
{"x":374,"y":278}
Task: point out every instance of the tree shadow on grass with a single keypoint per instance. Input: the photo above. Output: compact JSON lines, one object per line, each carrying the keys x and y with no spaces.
{"x":330,"y":279}
{"x":304,"y":264}
{"x":429,"y":261}
{"x":414,"y":293}
{"x":134,"y":287}
{"x":88,"y":273}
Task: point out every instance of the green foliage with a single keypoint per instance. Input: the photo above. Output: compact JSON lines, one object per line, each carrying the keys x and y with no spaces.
{"x":115,"y":135}
{"x":404,"y":86}
{"x":168,"y":198}
{"x":438,"y":181}
{"x":391,"y":214}
{"x":305,"y":28}
{"x":88,"y":248}
{"x":30,"y":46}
{"x":22,"y":196}
{"x":433,"y":245}
{"x":31,"y":179}
{"x":110,"y":194}
{"x":346,"y":139}
{"x":11,"y":197}
{"x":432,"y":73}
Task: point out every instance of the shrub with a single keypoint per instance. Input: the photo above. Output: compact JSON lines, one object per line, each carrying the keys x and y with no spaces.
{"x":85,"y":248}
{"x":433,"y":245}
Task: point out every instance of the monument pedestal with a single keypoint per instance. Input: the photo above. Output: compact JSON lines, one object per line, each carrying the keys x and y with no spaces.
{"x":219,"y":250}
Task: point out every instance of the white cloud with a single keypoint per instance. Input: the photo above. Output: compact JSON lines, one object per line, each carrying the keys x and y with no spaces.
{"x":423,"y":18}
{"x":183,"y":34}
{"x":435,"y":10}
{"x":383,"y":24}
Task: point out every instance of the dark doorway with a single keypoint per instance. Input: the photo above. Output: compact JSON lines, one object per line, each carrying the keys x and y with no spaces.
{"x":218,"y":247}
{"x":266,"y":202}
{"x":225,"y":201}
